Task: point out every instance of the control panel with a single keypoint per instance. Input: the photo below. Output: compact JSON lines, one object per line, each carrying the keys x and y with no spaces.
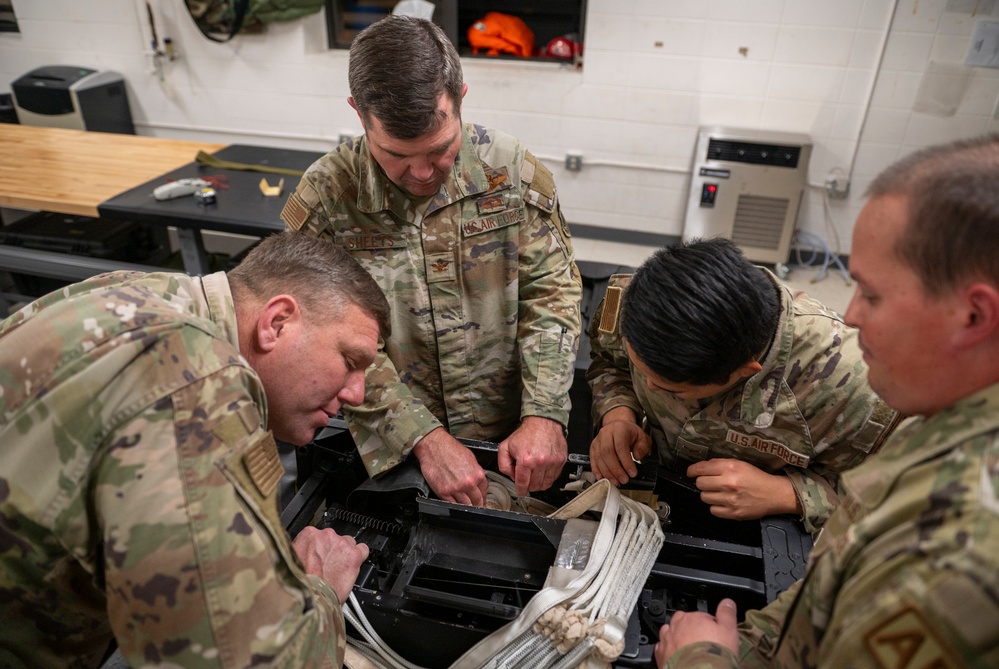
{"x":708,"y":193}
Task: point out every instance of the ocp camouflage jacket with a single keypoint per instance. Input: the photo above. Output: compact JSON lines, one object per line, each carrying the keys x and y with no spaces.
{"x":808,"y":413}
{"x":138,"y":488}
{"x":483,"y":288}
{"x":906,"y":572}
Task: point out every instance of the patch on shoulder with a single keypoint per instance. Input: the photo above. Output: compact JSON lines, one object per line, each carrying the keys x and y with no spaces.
{"x":538,"y":178}
{"x":237,"y":425}
{"x":907,"y":641}
{"x":264,"y":464}
{"x":295,"y":212}
{"x":611,"y":310}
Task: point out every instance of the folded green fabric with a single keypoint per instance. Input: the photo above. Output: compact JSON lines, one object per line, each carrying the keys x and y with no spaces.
{"x":211,"y":161}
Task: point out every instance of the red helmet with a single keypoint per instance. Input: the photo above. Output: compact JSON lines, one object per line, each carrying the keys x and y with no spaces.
{"x":566,"y":46}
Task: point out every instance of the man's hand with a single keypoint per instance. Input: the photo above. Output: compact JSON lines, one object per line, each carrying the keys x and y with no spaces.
{"x":617,"y":445}
{"x":450,"y":469}
{"x":687,"y":628}
{"x":533,"y":456}
{"x":738,"y":490}
{"x":335,"y":559}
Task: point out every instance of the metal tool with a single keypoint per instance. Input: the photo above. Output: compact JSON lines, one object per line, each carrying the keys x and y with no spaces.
{"x":205,"y":195}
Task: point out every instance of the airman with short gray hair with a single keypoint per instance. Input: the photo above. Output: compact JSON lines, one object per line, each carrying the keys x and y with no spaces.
{"x":139,"y":474}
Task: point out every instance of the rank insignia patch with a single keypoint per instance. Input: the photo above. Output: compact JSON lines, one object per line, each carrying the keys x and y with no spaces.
{"x":440,"y":267}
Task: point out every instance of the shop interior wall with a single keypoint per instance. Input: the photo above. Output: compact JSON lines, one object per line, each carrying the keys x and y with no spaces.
{"x":868,"y":80}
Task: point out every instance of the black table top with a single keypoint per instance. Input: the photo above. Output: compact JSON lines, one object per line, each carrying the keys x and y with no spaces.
{"x":241,"y":208}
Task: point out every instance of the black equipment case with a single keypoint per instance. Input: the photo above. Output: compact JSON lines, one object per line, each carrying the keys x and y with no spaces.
{"x":442,"y":576}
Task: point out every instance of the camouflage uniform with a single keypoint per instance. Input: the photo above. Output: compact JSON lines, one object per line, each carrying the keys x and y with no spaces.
{"x":483,"y":288}
{"x":138,"y":488}
{"x":906,"y":572}
{"x":809,"y":412}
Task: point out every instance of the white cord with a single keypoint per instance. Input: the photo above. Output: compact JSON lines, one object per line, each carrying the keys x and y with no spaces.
{"x":610,"y":588}
{"x":610,"y":595}
{"x":355,"y":616}
{"x":369,"y":653}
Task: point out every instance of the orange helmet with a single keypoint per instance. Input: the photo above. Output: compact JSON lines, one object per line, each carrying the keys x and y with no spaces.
{"x":497,"y":33}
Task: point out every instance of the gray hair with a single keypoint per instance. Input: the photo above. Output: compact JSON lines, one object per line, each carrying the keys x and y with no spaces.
{"x":399,"y":66}
{"x":322,"y":276}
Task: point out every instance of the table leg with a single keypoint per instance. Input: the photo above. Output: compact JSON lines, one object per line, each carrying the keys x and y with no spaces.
{"x":192,"y":251}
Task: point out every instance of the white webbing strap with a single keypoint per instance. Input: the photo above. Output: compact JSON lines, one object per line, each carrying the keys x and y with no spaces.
{"x":601,"y":496}
{"x":584,"y":619}
{"x":577,"y":619}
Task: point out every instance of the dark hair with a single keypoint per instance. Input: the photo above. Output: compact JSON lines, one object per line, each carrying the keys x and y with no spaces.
{"x":952,"y":199}
{"x":398,"y":68}
{"x":322,"y":276}
{"x":697,"y":311}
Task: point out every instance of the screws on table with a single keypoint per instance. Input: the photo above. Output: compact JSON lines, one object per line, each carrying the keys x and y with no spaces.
{"x":205,"y":196}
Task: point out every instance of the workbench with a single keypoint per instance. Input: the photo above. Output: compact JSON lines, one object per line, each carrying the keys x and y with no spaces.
{"x":72,"y":172}
{"x":112,"y":177}
{"x":240,"y":206}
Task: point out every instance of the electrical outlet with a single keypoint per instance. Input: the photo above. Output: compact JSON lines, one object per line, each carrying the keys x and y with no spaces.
{"x":837,"y":187}
{"x":573,"y":162}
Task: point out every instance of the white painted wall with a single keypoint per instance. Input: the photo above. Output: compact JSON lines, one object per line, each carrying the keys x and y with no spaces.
{"x":846,"y":72}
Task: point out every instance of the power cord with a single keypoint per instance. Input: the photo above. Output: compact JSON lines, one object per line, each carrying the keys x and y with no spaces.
{"x":815,"y":246}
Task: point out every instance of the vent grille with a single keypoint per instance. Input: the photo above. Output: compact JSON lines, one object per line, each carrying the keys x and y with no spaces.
{"x":759,"y":221}
{"x":754,"y":153}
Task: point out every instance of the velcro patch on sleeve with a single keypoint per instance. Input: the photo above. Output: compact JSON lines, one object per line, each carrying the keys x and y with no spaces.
{"x":969,"y":608}
{"x":540,"y":184}
{"x":527,"y":168}
{"x":907,"y":641}
{"x":232,"y":429}
{"x":612,"y":308}
{"x":295,"y":212}
{"x":541,"y":179}
{"x":264,"y":465}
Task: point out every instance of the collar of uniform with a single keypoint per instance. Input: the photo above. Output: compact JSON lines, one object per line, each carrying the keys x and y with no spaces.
{"x":923,"y":439}
{"x":766,"y":383}
{"x":468,"y":176}
{"x":377,"y":193}
{"x":219,"y":305}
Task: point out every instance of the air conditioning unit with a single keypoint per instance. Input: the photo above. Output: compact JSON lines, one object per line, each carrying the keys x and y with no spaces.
{"x":747,"y":185}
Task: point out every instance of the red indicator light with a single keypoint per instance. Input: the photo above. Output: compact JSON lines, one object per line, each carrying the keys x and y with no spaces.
{"x":712,"y":188}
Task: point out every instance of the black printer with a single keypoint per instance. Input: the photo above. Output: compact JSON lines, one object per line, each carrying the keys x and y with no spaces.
{"x":65,"y":96}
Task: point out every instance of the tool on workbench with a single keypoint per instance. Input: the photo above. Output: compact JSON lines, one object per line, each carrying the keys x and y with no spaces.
{"x":205,"y":195}
{"x":191,"y":186}
{"x":179,"y":188}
